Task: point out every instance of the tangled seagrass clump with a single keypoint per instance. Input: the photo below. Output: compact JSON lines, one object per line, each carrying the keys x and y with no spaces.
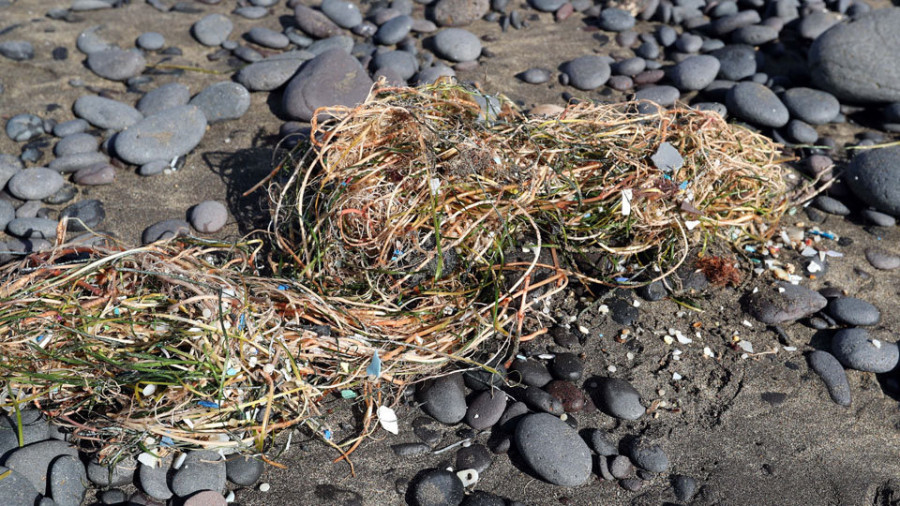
{"x":416,"y":228}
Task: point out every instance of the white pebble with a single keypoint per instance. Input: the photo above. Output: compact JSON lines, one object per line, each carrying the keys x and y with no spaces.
{"x":179,"y":461}
{"x":230,"y":497}
{"x":264,"y":487}
{"x":611,"y":368}
{"x":148,"y":390}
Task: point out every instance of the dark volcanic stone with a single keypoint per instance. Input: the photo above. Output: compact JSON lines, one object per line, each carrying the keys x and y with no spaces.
{"x":314,"y":22}
{"x":832,"y":373}
{"x":784,"y":304}
{"x":165,"y":135}
{"x":615,"y":20}
{"x":476,"y":457}
{"x":602,"y":443}
{"x":212,"y":30}
{"x":645,"y":455}
{"x":694,"y":73}
{"x":437,"y":488}
{"x":529,"y":372}
{"x":540,"y":400}
{"x":486,"y":409}
{"x":165,"y":230}
{"x":588,"y":72}
{"x":457,"y":45}
{"x":756,"y":104}
{"x":459,"y":12}
{"x":736,"y":62}
{"x":243,"y":470}
{"x":16,"y":489}
{"x":332,"y":78}
{"x":444,"y":398}
{"x":859,"y":61}
{"x":553,"y":450}
{"x":812,"y":106}
{"x":685,"y":487}
{"x":874,"y":176}
{"x":201,"y":470}
{"x":619,"y":399}
{"x":856,"y":349}
{"x":84,"y":215}
{"x":116,"y":64}
{"x":33,"y":461}
{"x":882,"y":259}
{"x":853,"y":311}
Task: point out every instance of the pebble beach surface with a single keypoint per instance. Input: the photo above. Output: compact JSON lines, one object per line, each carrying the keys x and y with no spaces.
{"x":149,"y":119}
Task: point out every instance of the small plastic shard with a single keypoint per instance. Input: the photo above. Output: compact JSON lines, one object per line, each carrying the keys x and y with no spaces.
{"x":691,"y":224}
{"x":388,"y":419}
{"x":348,"y":394}
{"x":667,"y":158}
{"x":468,"y":477}
{"x":746,"y":346}
{"x":374,"y":368}
{"x":627,"y":195}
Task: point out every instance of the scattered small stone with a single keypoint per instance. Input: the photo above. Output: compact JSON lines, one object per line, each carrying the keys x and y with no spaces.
{"x":615,"y":20}
{"x":856,"y":349}
{"x":831,"y":205}
{"x":457,"y":45}
{"x":201,"y":470}
{"x":410,"y":449}
{"x":853,"y":311}
{"x":67,"y":481}
{"x":344,"y":14}
{"x":332,"y":78}
{"x":486,"y":409}
{"x":314,"y":22}
{"x":540,"y":400}
{"x":444,"y":398}
{"x":620,"y":467}
{"x":535,"y":75}
{"x":151,"y":41}
{"x":553,"y":450}
{"x":165,"y":230}
{"x":602,"y":444}
{"x":647,"y":456}
{"x":475,"y":456}
{"x":33,"y":461}
{"x":16,"y":489}
{"x":785,"y":304}
{"x":695,"y":72}
{"x":737,"y":61}
{"x":206,"y":498}
{"x":529,"y":372}
{"x":588,"y":72}
{"x":75,"y":144}
{"x":874,"y":176}
{"x":71,"y":127}
{"x":878,"y":218}
{"x":882,"y":259}
{"x":164,"y":97}
{"x":459,"y":12}
{"x":243,"y":470}
{"x":832,"y":373}
{"x":620,"y":399}
{"x":165,"y":135}
{"x":685,"y":487}
{"x":35,"y":184}
{"x":106,"y":113}
{"x":32,"y":228}
{"x":23,"y":127}
{"x":437,"y":488}
{"x":212,"y":30}
{"x":116,"y":64}
{"x":222,"y":101}
{"x":756,"y":104}
{"x":98,"y":174}
{"x":815,"y":107}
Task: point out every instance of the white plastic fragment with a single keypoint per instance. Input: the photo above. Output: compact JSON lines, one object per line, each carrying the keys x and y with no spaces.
{"x":691,"y":224}
{"x":708,"y":352}
{"x":388,"y":419}
{"x":179,"y":461}
{"x":264,"y":487}
{"x":148,"y":390}
{"x":745,"y":345}
{"x":612,"y":368}
{"x":676,"y":376}
{"x":148,"y":459}
{"x":627,"y":195}
{"x":747,"y":324}
{"x":468,"y":477}
{"x":230,"y":497}
{"x":583,"y":329}
{"x":790,"y":348}
{"x":876,"y":343}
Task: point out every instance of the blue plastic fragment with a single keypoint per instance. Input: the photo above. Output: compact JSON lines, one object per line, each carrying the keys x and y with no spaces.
{"x":750,"y":249}
{"x":231,"y":372}
{"x":827,"y":235}
{"x":327,"y":434}
{"x":117,"y":311}
{"x":167,"y":441}
{"x":396,"y":256}
{"x":282,"y":287}
{"x":241,"y":323}
{"x":39,"y":338}
{"x":621,"y":279}
{"x":682,"y":185}
{"x":208,"y":404}
{"x":374,"y":368}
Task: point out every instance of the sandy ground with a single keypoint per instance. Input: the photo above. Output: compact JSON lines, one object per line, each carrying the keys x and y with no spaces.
{"x":743,"y":448}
